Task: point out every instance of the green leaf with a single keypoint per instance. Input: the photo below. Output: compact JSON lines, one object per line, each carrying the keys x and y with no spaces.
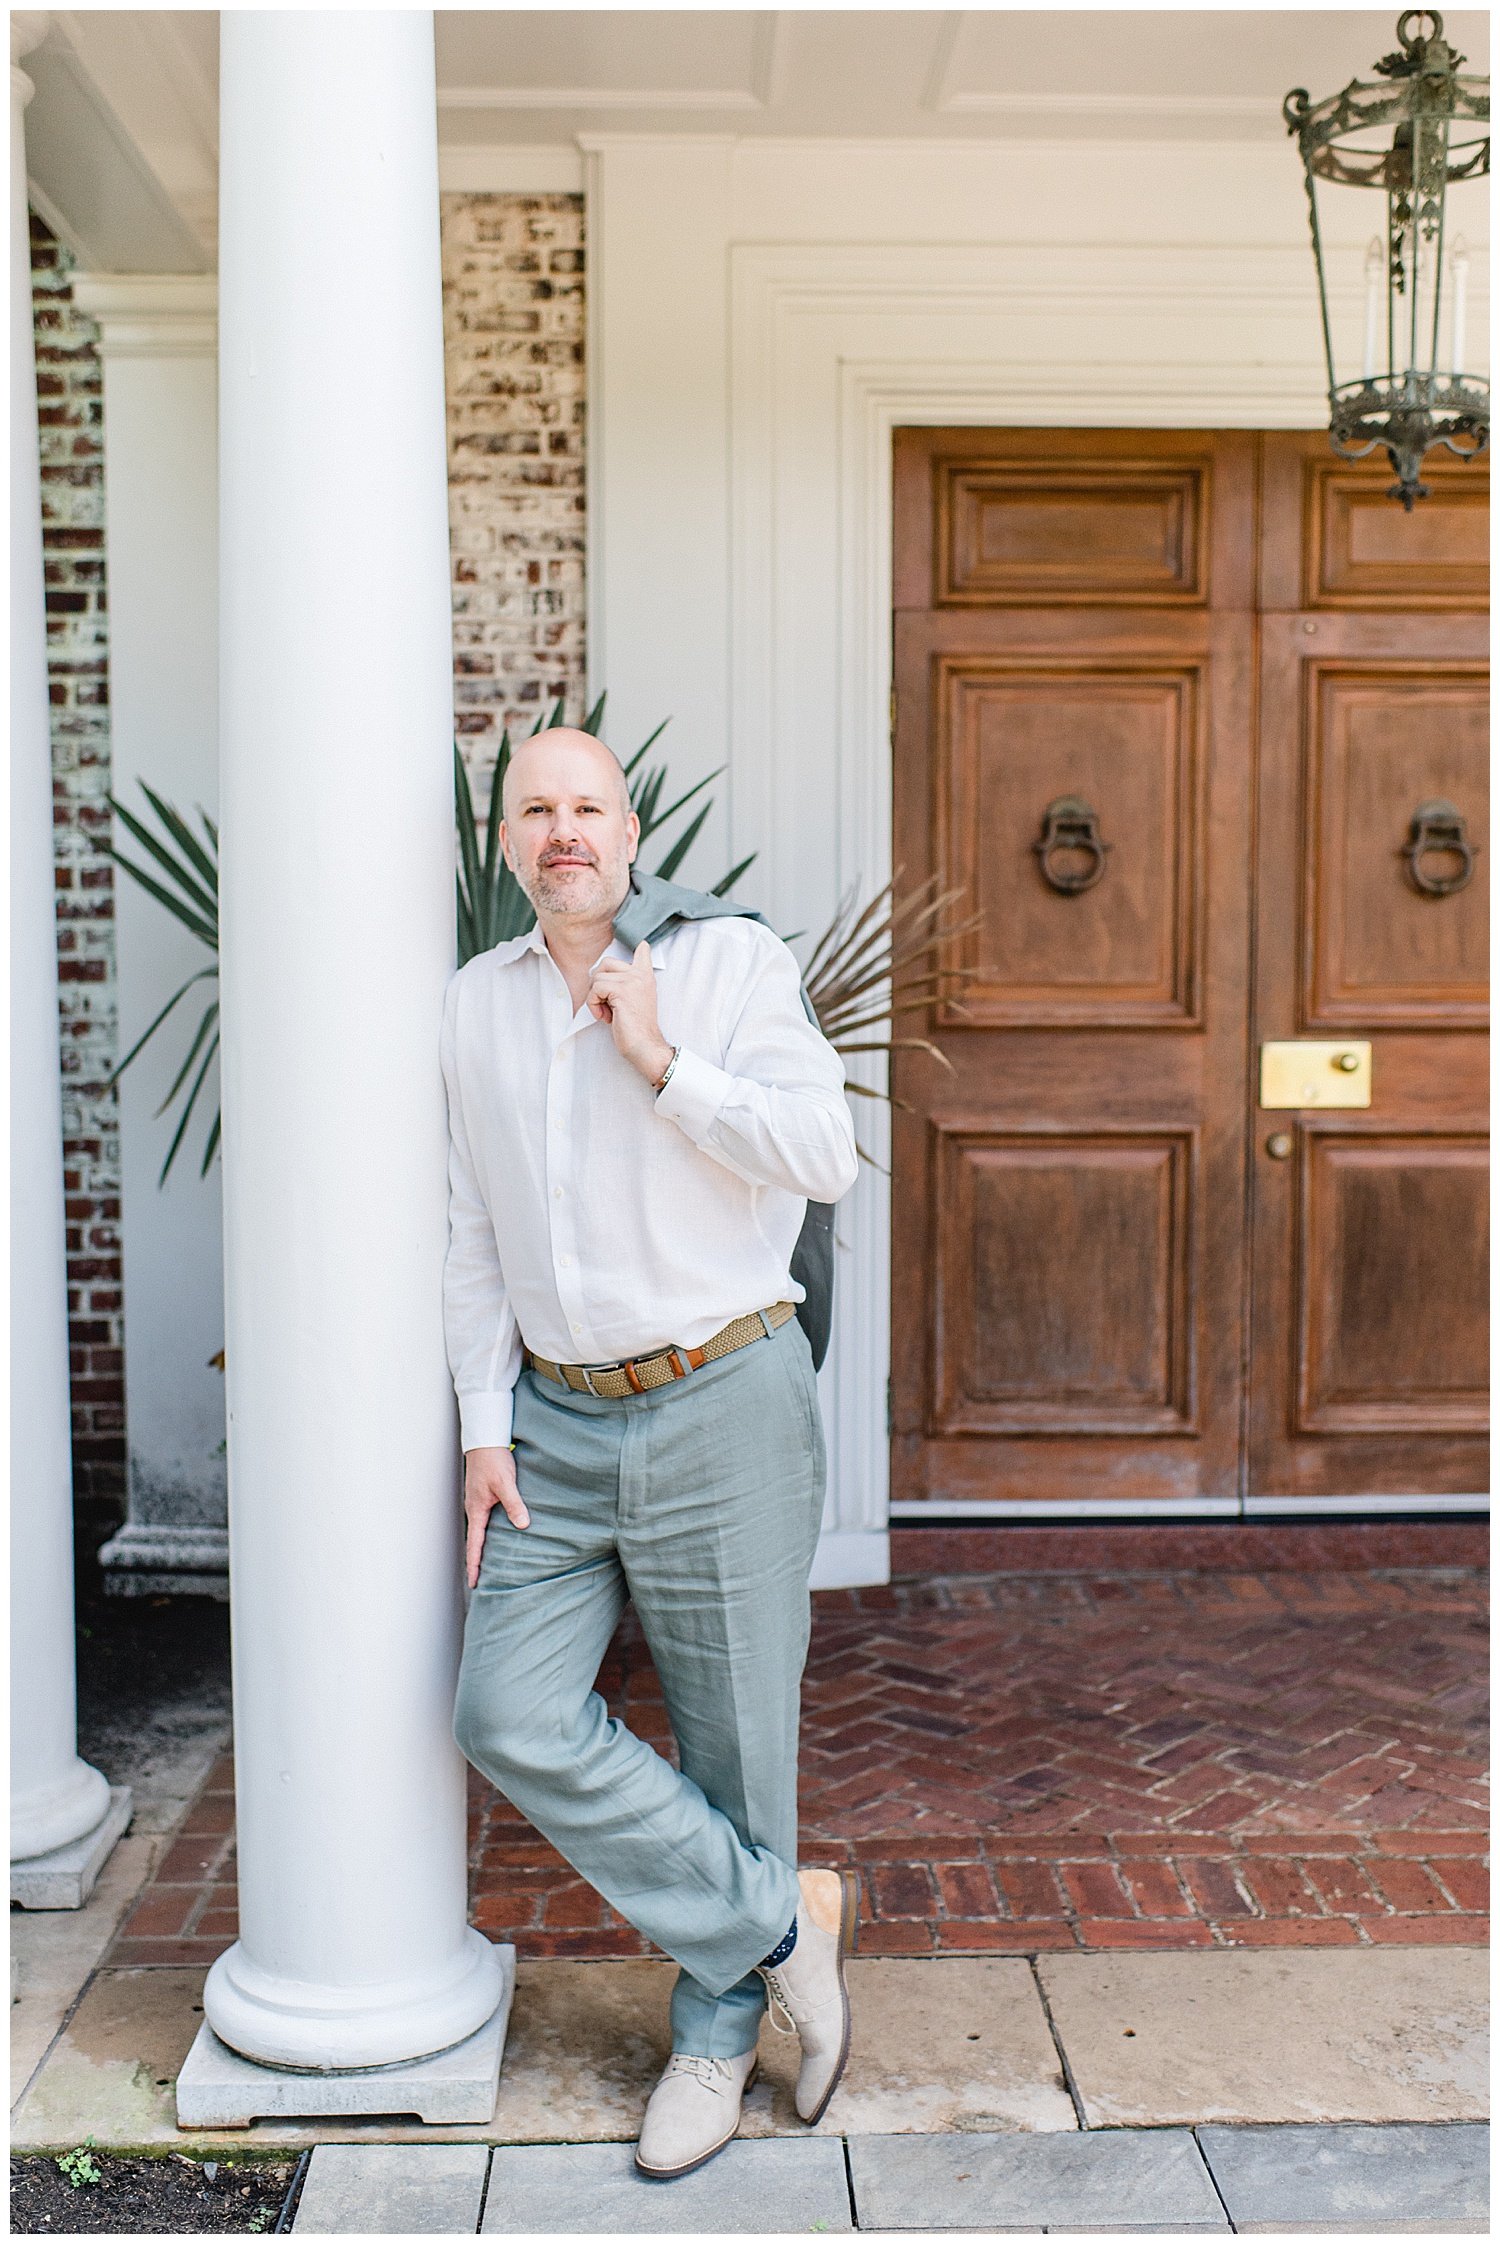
{"x":663,"y":815}
{"x":211,"y":1014}
{"x":208,"y":1150}
{"x":191,"y":920}
{"x":178,"y":825}
{"x":187,"y":1112}
{"x":492,"y":853}
{"x":206,"y":904}
{"x":203,"y":974}
{"x":722,"y":888}
{"x":682,"y":845}
{"x":649,"y":742}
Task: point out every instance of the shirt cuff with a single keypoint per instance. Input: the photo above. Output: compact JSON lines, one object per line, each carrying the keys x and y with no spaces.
{"x":484,"y":1420}
{"x":695,"y":1095}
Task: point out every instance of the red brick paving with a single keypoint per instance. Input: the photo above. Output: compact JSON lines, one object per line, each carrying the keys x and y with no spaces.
{"x":1025,"y":1762}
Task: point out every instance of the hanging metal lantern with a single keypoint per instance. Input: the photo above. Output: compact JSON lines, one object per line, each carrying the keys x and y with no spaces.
{"x":1409,"y":322}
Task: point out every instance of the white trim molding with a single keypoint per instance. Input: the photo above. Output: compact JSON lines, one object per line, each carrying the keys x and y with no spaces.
{"x":570,"y":100}
{"x":549,"y":168}
{"x":1274,"y":1507}
{"x":151,"y":315}
{"x":833,"y":348}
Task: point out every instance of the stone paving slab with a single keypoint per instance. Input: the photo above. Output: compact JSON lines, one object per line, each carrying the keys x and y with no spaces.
{"x":1274,"y":2035}
{"x":1403,"y":2180}
{"x":54,"y":1950}
{"x":1105,"y":2183}
{"x":593,"y":2189}
{"x":955,"y":2042}
{"x":392,"y":2189}
{"x":950,"y":2045}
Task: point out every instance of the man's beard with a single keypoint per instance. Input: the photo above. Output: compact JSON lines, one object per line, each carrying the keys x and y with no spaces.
{"x":561,"y":892}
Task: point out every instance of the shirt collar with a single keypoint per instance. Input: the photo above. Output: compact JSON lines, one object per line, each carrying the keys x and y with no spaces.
{"x":535,"y":940}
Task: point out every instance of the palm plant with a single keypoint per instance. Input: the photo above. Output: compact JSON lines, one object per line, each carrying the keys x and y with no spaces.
{"x":492,"y":905}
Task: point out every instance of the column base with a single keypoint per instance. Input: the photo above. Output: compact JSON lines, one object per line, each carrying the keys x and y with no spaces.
{"x":291,"y":2026}
{"x":456,"y":2088}
{"x":63,"y":1878}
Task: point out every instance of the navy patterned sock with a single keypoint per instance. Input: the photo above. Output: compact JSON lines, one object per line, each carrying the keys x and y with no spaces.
{"x":783,"y":1947}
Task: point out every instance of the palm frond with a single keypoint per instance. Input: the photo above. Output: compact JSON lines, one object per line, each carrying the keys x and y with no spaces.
{"x":178,"y":826}
{"x":682,"y":845}
{"x":722,"y":887}
{"x":205,"y":905}
{"x":877,"y":961}
{"x":192,"y":1100}
{"x":203,"y":974}
{"x":194,"y":901}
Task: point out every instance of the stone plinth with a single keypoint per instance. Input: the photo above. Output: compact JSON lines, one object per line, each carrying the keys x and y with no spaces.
{"x":218,"y":2088}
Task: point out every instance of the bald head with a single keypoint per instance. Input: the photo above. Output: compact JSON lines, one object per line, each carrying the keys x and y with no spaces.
{"x":569,"y":831}
{"x":562,"y":755}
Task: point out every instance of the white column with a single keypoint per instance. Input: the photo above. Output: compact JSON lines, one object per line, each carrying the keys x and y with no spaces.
{"x":338,"y":936}
{"x":55,"y":1797}
{"x":158,"y":340}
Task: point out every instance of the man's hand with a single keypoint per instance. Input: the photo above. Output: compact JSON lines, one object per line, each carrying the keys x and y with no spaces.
{"x":489,"y":1479}
{"x":625,"y":996}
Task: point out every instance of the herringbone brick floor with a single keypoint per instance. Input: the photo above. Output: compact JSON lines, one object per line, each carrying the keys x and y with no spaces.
{"x":1018,"y":1762}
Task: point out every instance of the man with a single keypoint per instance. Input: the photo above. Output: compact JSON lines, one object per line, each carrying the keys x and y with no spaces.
{"x":634,"y":1136}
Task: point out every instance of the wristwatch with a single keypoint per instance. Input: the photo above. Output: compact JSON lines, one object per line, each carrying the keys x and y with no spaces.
{"x":666,"y":1075}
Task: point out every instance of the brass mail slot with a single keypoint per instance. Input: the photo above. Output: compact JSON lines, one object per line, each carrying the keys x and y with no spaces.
{"x":1298,"y":1074}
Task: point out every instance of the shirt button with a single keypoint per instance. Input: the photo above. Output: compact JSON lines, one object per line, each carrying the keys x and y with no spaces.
{"x":565,"y":1262}
{"x":577,"y":1328}
{"x":557,"y":1191}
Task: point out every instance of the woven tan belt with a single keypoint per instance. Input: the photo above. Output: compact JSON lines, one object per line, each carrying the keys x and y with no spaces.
{"x":641,"y":1373}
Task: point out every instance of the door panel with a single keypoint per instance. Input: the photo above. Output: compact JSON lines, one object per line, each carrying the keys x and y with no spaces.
{"x":1063,"y":1274}
{"x":1251,"y":668}
{"x":1369,"y":1244}
{"x":1384,"y":1221}
{"x":1069,"y":1211}
{"x":1379,"y":740}
{"x":1013,"y":736}
{"x":1109,"y":530}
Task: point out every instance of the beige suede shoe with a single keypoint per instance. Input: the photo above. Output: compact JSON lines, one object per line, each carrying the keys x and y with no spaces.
{"x":808,"y":1985}
{"x":693,"y":2111}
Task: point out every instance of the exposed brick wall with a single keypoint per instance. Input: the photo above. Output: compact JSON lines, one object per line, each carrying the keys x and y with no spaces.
{"x":513,"y":315}
{"x":513,"y":305}
{"x":70,"y":410}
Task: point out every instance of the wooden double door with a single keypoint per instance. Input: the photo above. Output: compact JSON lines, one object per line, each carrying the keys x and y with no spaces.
{"x":1198,"y":721}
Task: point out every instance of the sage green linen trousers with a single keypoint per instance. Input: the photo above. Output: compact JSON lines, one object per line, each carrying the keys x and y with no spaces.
{"x":701,"y":1502}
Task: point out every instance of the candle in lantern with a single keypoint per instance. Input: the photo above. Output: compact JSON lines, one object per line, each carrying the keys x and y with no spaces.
{"x":1374,"y":275}
{"x":1460,"y":302}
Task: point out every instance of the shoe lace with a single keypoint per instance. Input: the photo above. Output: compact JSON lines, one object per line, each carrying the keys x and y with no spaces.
{"x":714,"y":2072}
{"x":776,"y":1989}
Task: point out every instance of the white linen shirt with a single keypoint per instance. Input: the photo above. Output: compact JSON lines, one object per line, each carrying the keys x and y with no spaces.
{"x":596,"y":1218}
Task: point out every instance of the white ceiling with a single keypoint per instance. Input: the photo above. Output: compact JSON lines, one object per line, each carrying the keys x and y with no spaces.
{"x":122,"y":135}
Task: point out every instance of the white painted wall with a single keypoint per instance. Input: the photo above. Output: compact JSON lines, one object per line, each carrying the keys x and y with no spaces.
{"x":161,"y":531}
{"x":763,"y":314}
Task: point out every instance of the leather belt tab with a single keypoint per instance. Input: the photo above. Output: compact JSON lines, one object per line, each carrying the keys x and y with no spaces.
{"x":641,"y":1375}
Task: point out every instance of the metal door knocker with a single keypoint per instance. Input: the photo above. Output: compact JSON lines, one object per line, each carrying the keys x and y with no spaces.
{"x":1438,"y":829}
{"x":1069,"y":823}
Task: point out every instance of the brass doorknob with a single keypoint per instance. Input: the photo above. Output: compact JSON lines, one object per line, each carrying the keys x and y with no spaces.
{"x":1279,"y":1145}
